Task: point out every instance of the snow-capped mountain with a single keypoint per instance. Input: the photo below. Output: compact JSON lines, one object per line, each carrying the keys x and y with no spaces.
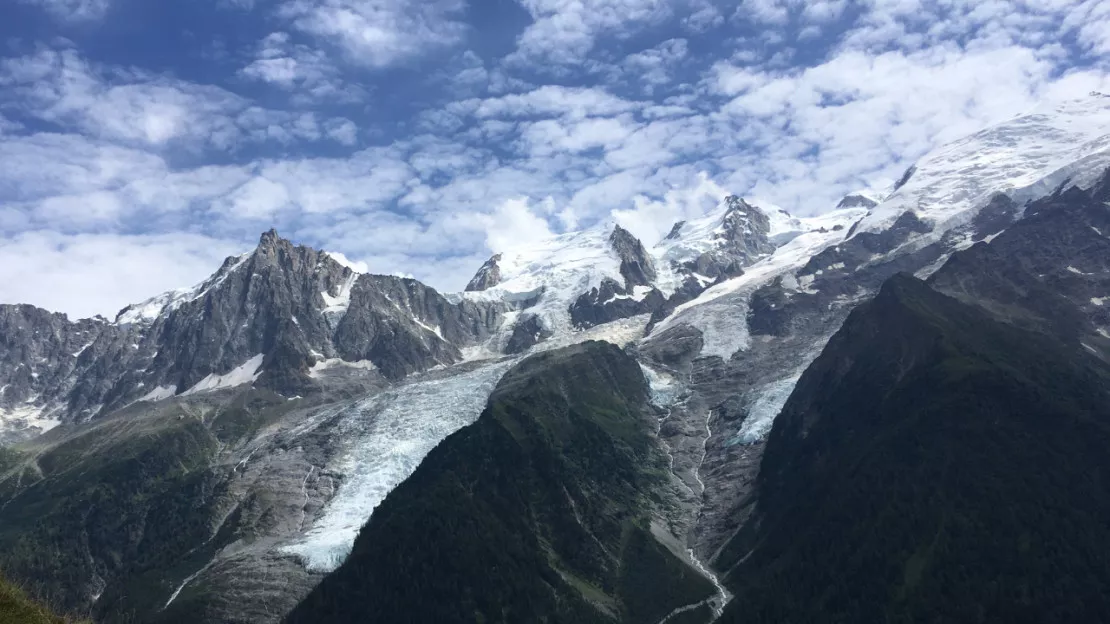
{"x":338,"y":383}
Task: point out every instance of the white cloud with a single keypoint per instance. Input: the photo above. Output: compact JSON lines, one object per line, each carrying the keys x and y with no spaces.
{"x":308,"y":73}
{"x":73,"y":10}
{"x":131,"y":107}
{"x":564,"y":31}
{"x":514,"y":225}
{"x":342,"y":130}
{"x":438,"y":192}
{"x":380,"y":33}
{"x":651,"y":219}
{"x":548,"y":100}
{"x":88,"y":274}
{"x":655,"y":66}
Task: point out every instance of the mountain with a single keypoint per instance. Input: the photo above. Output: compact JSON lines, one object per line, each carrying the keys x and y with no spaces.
{"x":276,"y":317}
{"x":934,"y":464}
{"x":542,"y":510}
{"x":215,"y":453}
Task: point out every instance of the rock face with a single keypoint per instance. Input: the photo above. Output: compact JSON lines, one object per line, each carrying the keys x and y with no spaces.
{"x":488,"y":276}
{"x":637,"y":266}
{"x":857,"y":201}
{"x":611,"y":300}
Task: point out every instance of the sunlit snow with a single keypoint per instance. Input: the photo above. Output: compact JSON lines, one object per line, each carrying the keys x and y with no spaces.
{"x":159,"y":393}
{"x":322,"y":365}
{"x":245,"y":373}
{"x":339,"y":303}
{"x":1025,"y":157}
{"x":561,"y":268}
{"x":720,"y":312}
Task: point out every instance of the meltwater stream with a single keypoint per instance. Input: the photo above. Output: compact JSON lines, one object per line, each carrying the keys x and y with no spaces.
{"x":665,"y":393}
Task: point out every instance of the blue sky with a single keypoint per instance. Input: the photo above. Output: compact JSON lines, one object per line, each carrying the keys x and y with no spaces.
{"x":141,"y":141}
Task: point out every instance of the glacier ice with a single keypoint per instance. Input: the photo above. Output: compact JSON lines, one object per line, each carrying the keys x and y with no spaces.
{"x":767,"y":405}
{"x":391,"y":433}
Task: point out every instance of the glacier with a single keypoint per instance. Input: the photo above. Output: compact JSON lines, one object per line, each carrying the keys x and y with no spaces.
{"x":391,"y":434}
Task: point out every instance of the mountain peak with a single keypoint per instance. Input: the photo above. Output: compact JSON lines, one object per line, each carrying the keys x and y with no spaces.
{"x":637,"y":266}
{"x":488,"y":276}
{"x":269,"y":238}
{"x":736,"y":203}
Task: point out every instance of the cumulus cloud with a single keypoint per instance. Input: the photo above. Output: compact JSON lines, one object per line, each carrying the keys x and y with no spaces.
{"x":380,"y":33}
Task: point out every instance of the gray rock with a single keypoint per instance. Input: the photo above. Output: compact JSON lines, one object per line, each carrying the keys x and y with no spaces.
{"x":488,"y":276}
{"x":637,"y":267}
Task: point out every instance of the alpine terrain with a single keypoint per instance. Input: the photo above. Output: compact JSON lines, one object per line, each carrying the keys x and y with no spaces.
{"x":896,"y":410}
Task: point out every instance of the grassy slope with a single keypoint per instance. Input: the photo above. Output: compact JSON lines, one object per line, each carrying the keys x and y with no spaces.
{"x":934,"y":465}
{"x":17,"y":608}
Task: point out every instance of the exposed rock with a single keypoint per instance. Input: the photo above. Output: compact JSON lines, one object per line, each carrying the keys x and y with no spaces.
{"x":637,"y":267}
{"x":488,"y":276}
{"x":856,"y":201}
{"x":527,"y":333}
{"x":676,"y":230}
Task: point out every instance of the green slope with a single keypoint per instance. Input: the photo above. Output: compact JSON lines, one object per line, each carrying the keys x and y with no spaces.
{"x":17,"y":608}
{"x":933,"y":465}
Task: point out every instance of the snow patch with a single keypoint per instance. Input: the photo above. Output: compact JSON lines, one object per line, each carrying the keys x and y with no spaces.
{"x":27,"y":419}
{"x":342,"y":300}
{"x":159,"y":393}
{"x":78,"y":352}
{"x":324,"y":364}
{"x":245,"y":373}
{"x":435,"y":330}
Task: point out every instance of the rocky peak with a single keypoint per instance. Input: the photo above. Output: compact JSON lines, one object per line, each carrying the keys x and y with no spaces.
{"x":488,"y":276}
{"x":855,"y":200}
{"x":743,"y":234}
{"x":676,"y":231}
{"x":637,"y":267}
{"x":269,"y":239}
